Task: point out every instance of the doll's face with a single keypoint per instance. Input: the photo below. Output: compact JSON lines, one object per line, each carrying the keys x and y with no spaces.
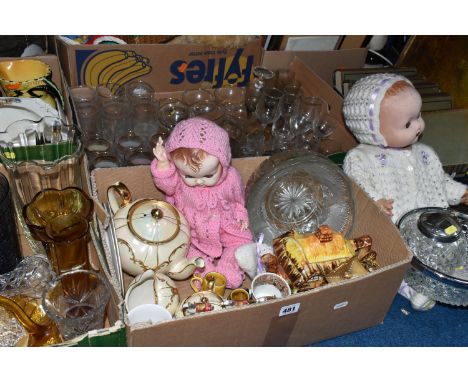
{"x":400,"y":118}
{"x":208,"y":175}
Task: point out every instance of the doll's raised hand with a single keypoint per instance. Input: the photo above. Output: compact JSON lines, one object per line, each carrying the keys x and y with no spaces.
{"x":160,"y":153}
{"x":386,"y":205}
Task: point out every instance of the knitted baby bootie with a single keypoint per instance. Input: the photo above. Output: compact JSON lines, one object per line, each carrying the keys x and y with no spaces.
{"x":227,"y":265}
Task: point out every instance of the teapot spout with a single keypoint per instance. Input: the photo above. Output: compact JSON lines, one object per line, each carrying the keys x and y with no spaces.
{"x":183,"y":269}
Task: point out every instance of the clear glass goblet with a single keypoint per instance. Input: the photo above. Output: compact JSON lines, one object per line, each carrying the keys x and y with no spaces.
{"x":267,"y":112}
{"x":254,"y":87}
{"x":305,"y":114}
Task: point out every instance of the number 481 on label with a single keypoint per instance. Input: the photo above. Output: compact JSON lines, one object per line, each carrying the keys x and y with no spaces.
{"x":289,"y":309}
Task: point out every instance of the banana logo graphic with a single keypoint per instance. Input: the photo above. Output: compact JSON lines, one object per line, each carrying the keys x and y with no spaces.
{"x":116,"y":67}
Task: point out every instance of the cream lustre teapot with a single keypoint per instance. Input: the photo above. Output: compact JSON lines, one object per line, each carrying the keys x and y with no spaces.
{"x":151,"y":234}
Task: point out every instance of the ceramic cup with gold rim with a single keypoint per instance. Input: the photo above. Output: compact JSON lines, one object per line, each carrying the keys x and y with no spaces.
{"x":269,"y":285}
{"x":212,"y":281}
{"x":239,"y":297}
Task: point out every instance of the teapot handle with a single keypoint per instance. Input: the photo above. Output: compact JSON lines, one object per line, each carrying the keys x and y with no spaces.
{"x":119,"y":196}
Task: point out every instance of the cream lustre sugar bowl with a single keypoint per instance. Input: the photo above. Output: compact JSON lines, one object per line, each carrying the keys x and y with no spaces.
{"x":151,"y":234}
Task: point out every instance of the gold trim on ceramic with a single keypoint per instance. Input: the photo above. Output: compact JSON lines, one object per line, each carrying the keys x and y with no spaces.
{"x":124,"y":193}
{"x":156,"y":213}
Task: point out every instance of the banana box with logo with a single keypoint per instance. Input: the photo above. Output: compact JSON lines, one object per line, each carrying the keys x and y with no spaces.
{"x":166,"y":67}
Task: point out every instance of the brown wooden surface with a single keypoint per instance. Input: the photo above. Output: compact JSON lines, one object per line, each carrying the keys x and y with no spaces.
{"x":441,"y":59}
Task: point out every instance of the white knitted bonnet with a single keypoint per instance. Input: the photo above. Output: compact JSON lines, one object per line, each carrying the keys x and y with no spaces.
{"x":361,"y":107}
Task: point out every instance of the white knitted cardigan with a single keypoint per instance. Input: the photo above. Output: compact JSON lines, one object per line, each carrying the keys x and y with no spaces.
{"x":413,"y":178}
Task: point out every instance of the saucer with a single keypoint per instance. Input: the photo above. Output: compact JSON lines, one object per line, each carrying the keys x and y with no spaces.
{"x":196,"y":298}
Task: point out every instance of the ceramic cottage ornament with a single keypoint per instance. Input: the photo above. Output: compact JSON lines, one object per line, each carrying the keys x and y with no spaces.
{"x":383,"y":111}
{"x":193,"y":170}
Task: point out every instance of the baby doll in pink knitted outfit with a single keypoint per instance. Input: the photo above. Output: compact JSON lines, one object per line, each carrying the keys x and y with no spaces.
{"x":193,"y":170}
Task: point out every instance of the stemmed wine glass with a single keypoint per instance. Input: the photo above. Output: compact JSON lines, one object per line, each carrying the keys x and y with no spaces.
{"x":323,"y":130}
{"x":267,"y":112}
{"x":283,"y":136}
{"x":302,"y":120}
{"x":254,"y":87}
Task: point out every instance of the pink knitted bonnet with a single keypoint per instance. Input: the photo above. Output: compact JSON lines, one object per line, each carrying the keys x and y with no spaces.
{"x":200,"y":133}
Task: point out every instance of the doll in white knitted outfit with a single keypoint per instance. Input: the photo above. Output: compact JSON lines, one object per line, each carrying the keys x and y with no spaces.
{"x":383,"y":111}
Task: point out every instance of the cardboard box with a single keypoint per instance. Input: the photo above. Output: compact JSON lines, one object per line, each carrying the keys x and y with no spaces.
{"x":325,"y":312}
{"x":166,"y":67}
{"x":312,"y":84}
{"x":114,"y":332}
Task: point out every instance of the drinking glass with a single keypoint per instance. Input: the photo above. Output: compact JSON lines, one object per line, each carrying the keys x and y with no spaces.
{"x":77,"y":301}
{"x":110,"y":92}
{"x":127,"y":144}
{"x":267,"y":112}
{"x":89,"y":119}
{"x":144,"y":118}
{"x":171,"y":112}
{"x":207,"y":109}
{"x":83,"y":93}
{"x":302,"y":120}
{"x":114,"y":120}
{"x":323,"y":131}
{"x":268,"y":107}
{"x":104,"y":160}
{"x":229,"y":95}
{"x":138,"y":91}
{"x":139,"y":157}
{"x":196,"y":95}
{"x":252,"y":140}
{"x":284,"y":77}
{"x":254,"y":87}
{"x":283,"y":136}
{"x":234,"y":122}
{"x":97,"y":145}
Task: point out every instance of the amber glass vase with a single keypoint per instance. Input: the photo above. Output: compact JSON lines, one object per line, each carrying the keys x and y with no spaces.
{"x":60,"y":220}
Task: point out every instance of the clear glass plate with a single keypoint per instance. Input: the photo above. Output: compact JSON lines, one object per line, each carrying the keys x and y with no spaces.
{"x":300,"y":191}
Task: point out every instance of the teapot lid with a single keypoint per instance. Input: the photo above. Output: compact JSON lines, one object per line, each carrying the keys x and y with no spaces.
{"x":154,"y":221}
{"x":440,"y":226}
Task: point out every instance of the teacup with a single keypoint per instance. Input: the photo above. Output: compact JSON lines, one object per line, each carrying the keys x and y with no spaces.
{"x":29,"y":79}
{"x":268,"y":285}
{"x":239,"y":297}
{"x":150,"y":313}
{"x":212,"y":281}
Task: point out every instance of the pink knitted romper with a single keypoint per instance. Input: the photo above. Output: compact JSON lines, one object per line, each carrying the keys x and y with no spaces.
{"x":212,"y":212}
